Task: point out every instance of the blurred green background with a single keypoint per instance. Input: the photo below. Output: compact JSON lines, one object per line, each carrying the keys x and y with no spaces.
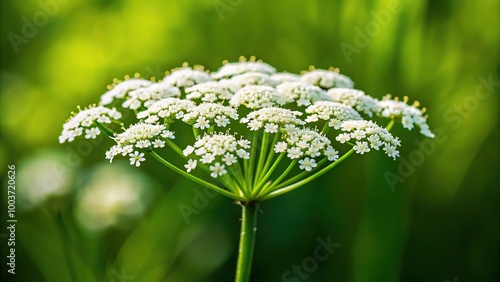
{"x":432,"y":215}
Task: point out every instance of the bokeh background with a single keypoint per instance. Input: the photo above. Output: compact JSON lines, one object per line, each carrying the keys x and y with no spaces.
{"x":432,"y":215}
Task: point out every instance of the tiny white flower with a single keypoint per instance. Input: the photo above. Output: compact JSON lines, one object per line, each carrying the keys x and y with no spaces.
{"x":255,"y":125}
{"x":112,"y":152}
{"x":245,"y":144}
{"x":168,"y":134}
{"x":143,"y":144}
{"x":271,"y":128}
{"x":190,"y":165}
{"x":202,"y":123}
{"x":200,"y":151}
{"x":229,"y":159}
{"x":280,"y":147}
{"x":222,"y":121}
{"x":391,"y":151}
{"x":294,"y":153}
{"x":207,"y":158}
{"x":331,"y":154}
{"x":361,"y":147}
{"x":358,"y":134}
{"x":188,"y":151}
{"x":343,"y":137}
{"x":136,"y":158}
{"x":158,"y":143}
{"x":127,"y":150}
{"x":307,"y":164}
{"x":243,"y":154}
{"x":92,"y":133}
{"x":217,"y":170}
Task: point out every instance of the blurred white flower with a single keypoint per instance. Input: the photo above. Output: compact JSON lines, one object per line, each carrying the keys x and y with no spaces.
{"x":113,"y":196}
{"x":41,"y":176}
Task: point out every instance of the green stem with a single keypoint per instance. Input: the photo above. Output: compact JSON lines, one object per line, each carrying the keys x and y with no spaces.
{"x":247,"y":241}
{"x":65,"y":245}
{"x":298,"y":176}
{"x":325,"y":128}
{"x":175,"y":148}
{"x":196,"y":132}
{"x":259,"y":187}
{"x":306,"y":180}
{"x":270,"y":155}
{"x":235,"y":175}
{"x":390,"y":125}
{"x":262,"y":157}
{"x":194,"y":178}
{"x":282,"y":176}
{"x":108,"y":131}
{"x":249,"y":165}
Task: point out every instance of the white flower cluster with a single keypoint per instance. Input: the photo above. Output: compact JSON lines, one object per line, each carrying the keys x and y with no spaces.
{"x":186,"y":77}
{"x":251,"y":78}
{"x":217,"y":150}
{"x":83,"y":123}
{"x":257,"y":96}
{"x":264,"y":98}
{"x":136,"y":138}
{"x":120,"y":90}
{"x":272,"y":119}
{"x":281,"y":77}
{"x":356,"y":99}
{"x":367,"y":134}
{"x":333,"y":112}
{"x":206,"y":114}
{"x":148,"y":95}
{"x":168,"y":109}
{"x":302,"y":93}
{"x":212,"y":91}
{"x":327,"y":79}
{"x":409,"y":115}
{"x":306,"y":144}
{"x":232,"y":69}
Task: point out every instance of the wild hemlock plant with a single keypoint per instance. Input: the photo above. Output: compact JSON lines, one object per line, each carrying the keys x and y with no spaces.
{"x":256,"y":133}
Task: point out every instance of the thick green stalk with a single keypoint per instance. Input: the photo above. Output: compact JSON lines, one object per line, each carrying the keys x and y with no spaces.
{"x":247,"y":241}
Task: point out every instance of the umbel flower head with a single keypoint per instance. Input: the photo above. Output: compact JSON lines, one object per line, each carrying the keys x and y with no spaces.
{"x":248,"y":131}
